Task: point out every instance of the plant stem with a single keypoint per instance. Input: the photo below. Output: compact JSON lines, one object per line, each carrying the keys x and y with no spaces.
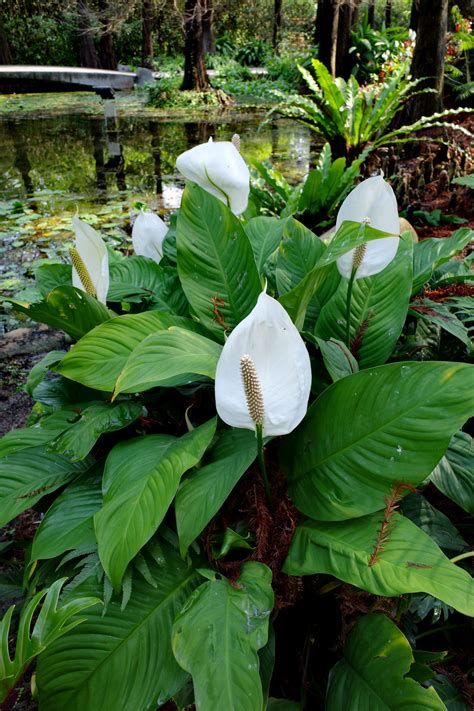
{"x":445,"y":628}
{"x":462,"y":556}
{"x":261,"y":464}
{"x":348,"y":307}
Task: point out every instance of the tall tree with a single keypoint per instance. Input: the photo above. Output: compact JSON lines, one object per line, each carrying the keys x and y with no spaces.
{"x":277,"y":23}
{"x":371,"y":12}
{"x":388,"y":13}
{"x":5,"y":54}
{"x":429,"y":56}
{"x":87,"y":51}
{"x":414,"y":13}
{"x":147,"y":33}
{"x":348,"y":12}
{"x":195,"y":75}
{"x":108,"y":59}
{"x":207,"y":23}
{"x":327,"y":22}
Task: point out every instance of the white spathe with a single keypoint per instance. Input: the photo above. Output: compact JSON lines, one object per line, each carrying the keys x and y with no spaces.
{"x":219,"y":168}
{"x":373,"y":201}
{"x":283,"y":367}
{"x":148,"y":233}
{"x":93,"y":253}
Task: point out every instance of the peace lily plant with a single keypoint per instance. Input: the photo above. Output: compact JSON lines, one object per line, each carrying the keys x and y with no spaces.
{"x":143,"y":448}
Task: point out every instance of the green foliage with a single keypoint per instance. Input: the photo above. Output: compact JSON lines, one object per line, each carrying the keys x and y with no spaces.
{"x":252,"y":54}
{"x":51,"y":623}
{"x":375,"y":50}
{"x":354,"y":118}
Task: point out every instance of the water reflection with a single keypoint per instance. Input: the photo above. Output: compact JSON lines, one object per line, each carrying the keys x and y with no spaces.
{"x":77,"y":160}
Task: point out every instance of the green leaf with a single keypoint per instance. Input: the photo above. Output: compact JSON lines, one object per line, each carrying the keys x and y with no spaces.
{"x":372,"y":674}
{"x":265,"y":235}
{"x":68,"y":523}
{"x":299,"y":252}
{"x":441,"y":315}
{"x":408,"y":561}
{"x":141,"y":478}
{"x":49,"y":276}
{"x":98,"y":359}
{"x":452,"y":697}
{"x":378,"y":309}
{"x":338,"y":359}
{"x":217,"y":637}
{"x":283,"y":705}
{"x":42,"y":432}
{"x":168,"y":358}
{"x":201,"y":494}
{"x":454,"y":474}
{"x":38,"y":371}
{"x":51,"y":623}
{"x":393,"y":424}
{"x":136,"y":278}
{"x":349,"y":236}
{"x":215,"y":261}
{"x":122,"y":656}
{"x":29,"y":474}
{"x":68,"y":309}
{"x":434,"y":523}
{"x":430,"y":253}
{"x":93,"y":421}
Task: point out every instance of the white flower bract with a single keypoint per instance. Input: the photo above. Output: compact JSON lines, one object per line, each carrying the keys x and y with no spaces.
{"x":148,"y":233}
{"x":282,"y":365}
{"x":93,"y":254}
{"x":372,"y":201}
{"x":219,"y":168}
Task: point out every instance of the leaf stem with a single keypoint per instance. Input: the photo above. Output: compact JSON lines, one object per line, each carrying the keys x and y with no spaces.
{"x":261,"y":464}
{"x":348,"y":307}
{"x":462,"y":556}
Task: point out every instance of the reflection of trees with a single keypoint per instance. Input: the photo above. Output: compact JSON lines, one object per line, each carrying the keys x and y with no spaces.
{"x":155,"y":132}
{"x":97,"y":132}
{"x":21,"y":161}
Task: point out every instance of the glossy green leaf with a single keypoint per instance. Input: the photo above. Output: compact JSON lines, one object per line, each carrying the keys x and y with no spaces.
{"x":68,"y":309}
{"x":29,"y":474}
{"x":371,"y":675}
{"x":68,"y":523}
{"x":454,"y":474}
{"x":43,"y":432}
{"x":51,"y":622}
{"x":121,"y":659}
{"x":136,"y":278}
{"x":431,"y":253}
{"x":338,"y":359}
{"x":265,"y":235}
{"x":393,"y":424}
{"x":49,"y":276}
{"x":408,"y":562}
{"x":38,"y":371}
{"x":215,"y":261}
{"x":441,"y":315}
{"x":349,"y":236}
{"x":166,"y":358}
{"x":141,"y":478}
{"x":90,"y":423}
{"x":434,"y":523}
{"x":379,"y":308}
{"x":98,"y":359}
{"x":201,"y":494}
{"x":299,"y":252}
{"x":217,"y":636}
{"x":453,"y":698}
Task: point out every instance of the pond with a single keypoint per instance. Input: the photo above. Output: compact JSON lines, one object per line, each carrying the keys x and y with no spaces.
{"x":97,"y":159}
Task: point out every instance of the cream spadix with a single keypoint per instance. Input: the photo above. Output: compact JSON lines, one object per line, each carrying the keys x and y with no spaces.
{"x":372,"y":202}
{"x":264,"y":374}
{"x":148,"y":233}
{"x":90,"y":270}
{"x":218,"y":167}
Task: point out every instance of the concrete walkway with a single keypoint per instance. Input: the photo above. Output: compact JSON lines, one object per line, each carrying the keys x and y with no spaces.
{"x":24,"y":79}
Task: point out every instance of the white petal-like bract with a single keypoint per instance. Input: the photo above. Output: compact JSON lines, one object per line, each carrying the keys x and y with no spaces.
{"x":283,"y":368}
{"x":148,"y":233}
{"x":93,"y":253}
{"x":373,"y":201}
{"x":219,"y":168}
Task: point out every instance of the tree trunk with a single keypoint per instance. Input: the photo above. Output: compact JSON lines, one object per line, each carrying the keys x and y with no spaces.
{"x":348,"y":12}
{"x":107,"y":56}
{"x":147,"y":34}
{"x":371,"y":12}
{"x":87,"y":51}
{"x":277,"y":22}
{"x":388,"y":13}
{"x":414,"y":13}
{"x":428,"y":57}
{"x":207,"y":20}
{"x":326,"y":30}
{"x":195,"y":76}
{"x":5,"y":54}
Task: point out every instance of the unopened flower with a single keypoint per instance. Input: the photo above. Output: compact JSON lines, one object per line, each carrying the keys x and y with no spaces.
{"x":263,"y":376}
{"x":148,"y":233}
{"x":90,"y":261}
{"x":372,"y":202}
{"x":219,"y":168}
